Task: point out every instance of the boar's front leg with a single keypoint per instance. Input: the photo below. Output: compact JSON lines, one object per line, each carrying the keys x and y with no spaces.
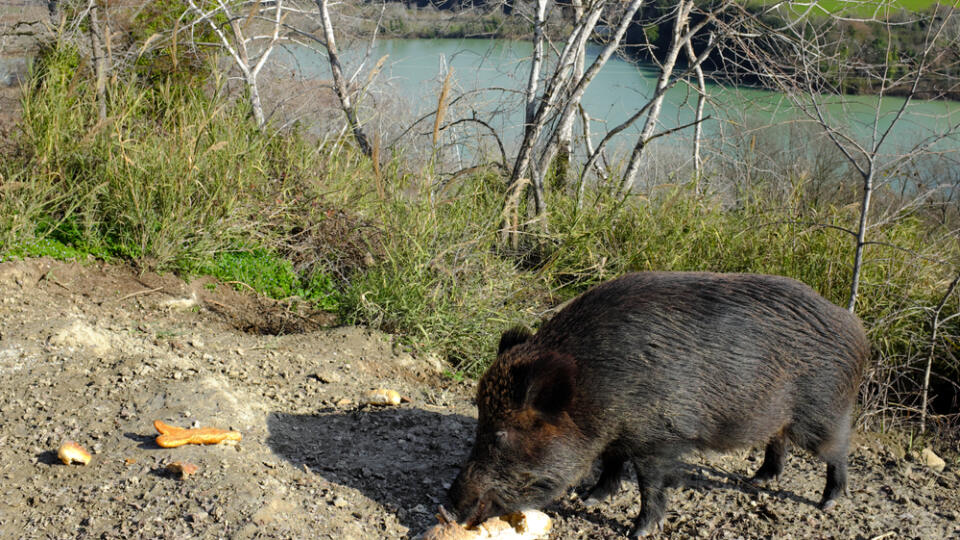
{"x":773,"y":458}
{"x":611,"y":468}
{"x":653,"y":475}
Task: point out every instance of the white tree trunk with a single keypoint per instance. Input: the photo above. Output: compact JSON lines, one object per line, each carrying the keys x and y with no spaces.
{"x":701,"y":101}
{"x":249,"y":76}
{"x":531,"y":96}
{"x":536,"y":62}
{"x":666,"y":72}
{"x":339,"y":83}
{"x":237,"y":48}
{"x":99,"y":33}
{"x":565,"y":131}
{"x":547,"y":103}
{"x":861,"y":238}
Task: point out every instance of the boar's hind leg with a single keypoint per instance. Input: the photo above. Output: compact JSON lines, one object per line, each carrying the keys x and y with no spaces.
{"x":773,"y":459}
{"x":611,"y":467}
{"x":834,"y":452}
{"x":833,"y":448}
{"x":652,"y":475}
{"x":836,"y":484}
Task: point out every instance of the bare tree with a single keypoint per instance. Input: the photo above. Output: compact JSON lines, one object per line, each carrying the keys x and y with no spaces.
{"x":340,"y":85}
{"x":547,"y":131}
{"x":807,"y":58}
{"x":536,"y":62}
{"x":105,"y":25}
{"x":683,"y":32}
{"x":565,"y":131}
{"x":556,"y":101}
{"x":235,"y":23}
{"x":701,"y":102}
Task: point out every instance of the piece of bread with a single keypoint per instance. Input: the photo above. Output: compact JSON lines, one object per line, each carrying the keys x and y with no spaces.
{"x":526,"y":525}
{"x":71,"y":452}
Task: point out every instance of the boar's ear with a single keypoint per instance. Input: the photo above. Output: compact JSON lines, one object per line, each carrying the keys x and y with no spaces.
{"x":513,"y":337}
{"x":551,"y":384}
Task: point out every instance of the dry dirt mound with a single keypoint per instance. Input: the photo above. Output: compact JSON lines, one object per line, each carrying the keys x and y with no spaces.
{"x":95,"y":353}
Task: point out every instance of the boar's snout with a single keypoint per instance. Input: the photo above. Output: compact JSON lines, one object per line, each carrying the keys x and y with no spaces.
{"x":471,"y":502}
{"x":457,"y":494}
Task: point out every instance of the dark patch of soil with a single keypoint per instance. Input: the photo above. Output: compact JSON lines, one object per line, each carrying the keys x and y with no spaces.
{"x":95,"y":353}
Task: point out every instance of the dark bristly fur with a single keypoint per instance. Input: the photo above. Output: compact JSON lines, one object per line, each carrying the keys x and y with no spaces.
{"x":650,"y":366}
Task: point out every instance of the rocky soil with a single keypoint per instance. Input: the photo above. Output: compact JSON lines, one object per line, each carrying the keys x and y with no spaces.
{"x":96,"y":353}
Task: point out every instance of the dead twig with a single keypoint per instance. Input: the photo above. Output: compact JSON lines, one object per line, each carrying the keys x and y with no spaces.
{"x":131,"y":295}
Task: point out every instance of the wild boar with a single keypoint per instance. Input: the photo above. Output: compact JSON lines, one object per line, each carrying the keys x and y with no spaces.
{"x":651,"y":366}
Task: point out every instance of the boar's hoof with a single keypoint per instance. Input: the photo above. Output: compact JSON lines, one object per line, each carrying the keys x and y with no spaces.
{"x":762,"y":476}
{"x":647,"y":530}
{"x":827,"y":505}
{"x":591,"y":501}
{"x":601,"y":492}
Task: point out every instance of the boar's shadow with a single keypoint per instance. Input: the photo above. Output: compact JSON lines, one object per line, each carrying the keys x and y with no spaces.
{"x":702,"y":475}
{"x":403,"y":458}
{"x":696,"y":473}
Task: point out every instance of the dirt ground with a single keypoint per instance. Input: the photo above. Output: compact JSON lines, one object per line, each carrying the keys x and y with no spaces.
{"x":96,"y":353}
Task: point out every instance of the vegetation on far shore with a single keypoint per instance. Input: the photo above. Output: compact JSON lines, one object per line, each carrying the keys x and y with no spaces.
{"x":856,"y":38}
{"x":398,"y":21}
{"x":858,"y":7}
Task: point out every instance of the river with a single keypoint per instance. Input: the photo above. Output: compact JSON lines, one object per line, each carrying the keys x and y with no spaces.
{"x":493,"y":73}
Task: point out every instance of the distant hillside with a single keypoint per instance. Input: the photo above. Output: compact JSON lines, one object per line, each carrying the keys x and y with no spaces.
{"x":859,"y":44}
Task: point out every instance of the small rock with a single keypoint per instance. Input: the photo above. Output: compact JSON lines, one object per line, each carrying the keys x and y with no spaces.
{"x":79,"y":333}
{"x":932,"y":460}
{"x":340,"y":502}
{"x":345,"y":402}
{"x":434,"y":362}
{"x":199,"y":517}
{"x":272,"y":510}
{"x":328,"y":377}
{"x":180,"y":303}
{"x":183,"y":468}
{"x":382,"y":396}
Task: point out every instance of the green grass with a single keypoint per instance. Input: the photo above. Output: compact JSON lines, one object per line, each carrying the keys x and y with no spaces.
{"x":443,"y":285}
{"x":171,"y":179}
{"x":44,"y":247}
{"x":272,"y":275}
{"x":440,"y":282}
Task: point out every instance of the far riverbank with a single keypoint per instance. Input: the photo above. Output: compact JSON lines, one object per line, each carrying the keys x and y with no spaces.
{"x":867,"y":43}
